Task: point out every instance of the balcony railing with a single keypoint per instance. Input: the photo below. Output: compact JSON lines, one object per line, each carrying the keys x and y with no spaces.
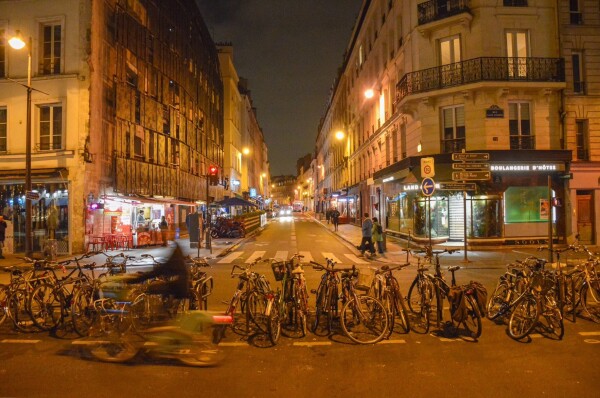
{"x":481,"y":69}
{"x":450,"y":146}
{"x":522,"y":142}
{"x":435,"y":10}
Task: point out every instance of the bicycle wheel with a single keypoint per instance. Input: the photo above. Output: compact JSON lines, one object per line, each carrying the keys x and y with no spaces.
{"x":274,"y":321}
{"x":364,"y":320}
{"x":256,"y":307}
{"x":3,"y":303}
{"x":83,"y":313}
{"x":554,"y":322}
{"x":201,"y":354}
{"x":523,"y":318}
{"x":400,"y":315}
{"x":140,"y":312}
{"x":319,"y":308}
{"x":419,"y":303}
{"x":472,"y":322}
{"x":46,"y":306}
{"x":332,"y":307}
{"x":590,"y":301}
{"x":117,"y":351}
{"x":302,"y":306}
{"x":498,"y":301}
{"x":18,"y":313}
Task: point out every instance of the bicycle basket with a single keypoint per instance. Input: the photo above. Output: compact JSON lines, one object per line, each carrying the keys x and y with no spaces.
{"x":541,"y":283}
{"x":365,"y":279}
{"x":278,"y":270}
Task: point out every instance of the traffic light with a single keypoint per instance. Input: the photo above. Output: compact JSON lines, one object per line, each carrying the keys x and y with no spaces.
{"x":213,"y":175}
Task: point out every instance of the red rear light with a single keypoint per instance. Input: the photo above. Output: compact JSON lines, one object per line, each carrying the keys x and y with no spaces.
{"x":223,"y":319}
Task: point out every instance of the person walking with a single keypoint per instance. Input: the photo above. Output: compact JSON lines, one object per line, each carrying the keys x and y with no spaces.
{"x":367,"y":234}
{"x":378,"y":235}
{"x":164,"y":226}
{"x":335,"y":217}
{"x":328,"y":215}
{"x":3,"y":227}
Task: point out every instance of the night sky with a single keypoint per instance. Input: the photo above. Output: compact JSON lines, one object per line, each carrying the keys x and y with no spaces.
{"x":289,"y":50}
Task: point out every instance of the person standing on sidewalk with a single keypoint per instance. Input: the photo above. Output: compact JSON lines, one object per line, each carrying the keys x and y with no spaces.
{"x":3,"y":227}
{"x":367,"y":233}
{"x":378,"y":235}
{"x":164,"y":226}
{"x":335,"y":217}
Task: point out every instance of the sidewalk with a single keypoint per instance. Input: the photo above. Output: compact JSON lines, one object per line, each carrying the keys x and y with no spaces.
{"x":497,"y":258}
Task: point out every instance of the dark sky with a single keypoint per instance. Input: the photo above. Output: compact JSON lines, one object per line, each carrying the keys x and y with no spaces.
{"x":289,"y":50}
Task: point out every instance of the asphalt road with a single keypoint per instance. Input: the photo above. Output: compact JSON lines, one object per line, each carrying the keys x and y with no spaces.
{"x":412,"y":365}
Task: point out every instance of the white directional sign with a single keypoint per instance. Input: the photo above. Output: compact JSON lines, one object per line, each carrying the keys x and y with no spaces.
{"x":459,"y":156}
{"x":427,"y":167}
{"x":471,"y":175}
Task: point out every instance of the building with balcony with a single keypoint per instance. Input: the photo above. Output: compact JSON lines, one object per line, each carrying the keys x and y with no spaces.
{"x":432,"y":79}
{"x":128,"y":118}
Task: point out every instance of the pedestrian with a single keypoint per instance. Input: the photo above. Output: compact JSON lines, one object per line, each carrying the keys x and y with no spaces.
{"x":378,"y":235}
{"x":367,"y":234}
{"x":335,"y":217}
{"x":3,"y":227}
{"x":164,"y":226}
{"x":328,"y":215}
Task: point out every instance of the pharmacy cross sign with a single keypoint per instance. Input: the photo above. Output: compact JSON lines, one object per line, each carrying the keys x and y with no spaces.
{"x":428,"y":186}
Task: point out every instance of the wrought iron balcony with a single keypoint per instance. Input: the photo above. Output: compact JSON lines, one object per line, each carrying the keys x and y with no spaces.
{"x":456,"y":145}
{"x":435,"y":10}
{"x":522,"y":142}
{"x":481,"y":69}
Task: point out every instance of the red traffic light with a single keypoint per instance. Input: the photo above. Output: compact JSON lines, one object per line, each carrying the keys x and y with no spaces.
{"x":212,"y":170}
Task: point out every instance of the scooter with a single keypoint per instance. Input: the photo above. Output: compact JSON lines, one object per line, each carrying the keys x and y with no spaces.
{"x":193,"y":340}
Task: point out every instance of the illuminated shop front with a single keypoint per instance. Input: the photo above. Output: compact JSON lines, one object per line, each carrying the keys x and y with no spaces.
{"x":512,"y":208}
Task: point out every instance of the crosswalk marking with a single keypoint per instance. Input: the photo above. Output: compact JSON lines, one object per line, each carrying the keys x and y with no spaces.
{"x":307,"y":257}
{"x":281,"y":255}
{"x":392,"y":342}
{"x":311,"y":343}
{"x":255,"y":255}
{"x":589,"y":333}
{"x":224,"y":344}
{"x":331,"y":256}
{"x":355,"y":259}
{"x":17,"y":341}
{"x":230,"y":257}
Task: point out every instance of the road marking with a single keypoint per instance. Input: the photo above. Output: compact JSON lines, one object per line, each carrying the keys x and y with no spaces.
{"x":255,"y":255}
{"x":447,"y":340}
{"x":589,"y":333}
{"x":592,"y":341}
{"x":16,"y":341}
{"x":311,"y":344}
{"x":331,"y":257}
{"x":307,"y":257}
{"x":392,"y":342}
{"x":233,"y":345}
{"x":89,"y":342}
{"x":230,"y":257}
{"x":535,"y":335}
{"x":355,"y":259}
{"x":281,"y":255}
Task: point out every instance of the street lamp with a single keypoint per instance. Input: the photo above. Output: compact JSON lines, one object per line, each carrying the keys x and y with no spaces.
{"x":18,"y":43}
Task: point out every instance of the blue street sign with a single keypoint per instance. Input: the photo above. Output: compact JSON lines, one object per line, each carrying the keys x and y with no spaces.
{"x":428,"y":186}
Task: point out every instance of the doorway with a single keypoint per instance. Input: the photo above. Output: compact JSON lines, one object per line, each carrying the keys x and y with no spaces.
{"x":585,"y":217}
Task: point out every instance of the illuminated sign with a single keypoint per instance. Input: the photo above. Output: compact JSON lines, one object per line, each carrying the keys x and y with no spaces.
{"x":388,"y":179}
{"x":499,"y":168}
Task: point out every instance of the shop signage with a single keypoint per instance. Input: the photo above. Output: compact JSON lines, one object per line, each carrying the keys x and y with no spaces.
{"x":471,"y":166}
{"x":460,"y":156}
{"x":494,"y":112}
{"x":428,"y":186}
{"x":388,"y":179}
{"x":471,"y":175}
{"x":457,"y":186}
{"x":32,"y":195}
{"x":427,"y":167}
{"x":527,"y":167}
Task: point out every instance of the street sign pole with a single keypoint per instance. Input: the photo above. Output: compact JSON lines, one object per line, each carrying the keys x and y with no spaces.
{"x":465,"y":259}
{"x":429,"y":220}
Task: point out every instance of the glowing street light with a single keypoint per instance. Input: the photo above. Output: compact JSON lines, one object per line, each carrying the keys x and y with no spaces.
{"x":369,"y":93}
{"x":339,"y":135}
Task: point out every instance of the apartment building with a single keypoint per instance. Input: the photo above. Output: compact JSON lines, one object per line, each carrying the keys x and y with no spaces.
{"x":432,"y":79}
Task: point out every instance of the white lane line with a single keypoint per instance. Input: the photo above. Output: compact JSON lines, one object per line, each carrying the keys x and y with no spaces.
{"x":535,"y":336}
{"x":230,"y":257}
{"x":255,"y":255}
{"x":444,"y":339}
{"x":233,"y":345}
{"x":307,"y":257}
{"x":89,"y":342}
{"x":355,"y":259}
{"x":16,"y":341}
{"x":392,"y":342}
{"x":311,"y":344}
{"x":281,"y":255}
{"x":331,"y":256}
{"x":589,"y":333}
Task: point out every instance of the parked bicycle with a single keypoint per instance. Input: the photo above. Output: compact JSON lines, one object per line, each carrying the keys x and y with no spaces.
{"x":385,"y":288}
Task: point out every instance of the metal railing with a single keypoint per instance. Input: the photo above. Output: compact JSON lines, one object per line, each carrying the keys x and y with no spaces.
{"x":481,"y":69}
{"x":456,"y":145}
{"x":435,"y":10}
{"x":522,"y":142}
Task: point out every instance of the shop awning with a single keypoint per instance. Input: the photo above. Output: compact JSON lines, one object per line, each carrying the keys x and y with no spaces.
{"x":148,"y":199}
{"x":235,"y":202}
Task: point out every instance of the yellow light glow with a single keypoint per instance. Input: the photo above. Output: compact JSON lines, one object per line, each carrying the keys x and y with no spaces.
{"x":16,"y":41}
{"x":339,"y":135}
{"x":246,"y":151}
{"x":369,"y":93}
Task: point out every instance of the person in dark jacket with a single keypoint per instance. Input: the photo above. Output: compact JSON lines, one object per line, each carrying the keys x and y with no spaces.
{"x":367,"y":234}
{"x":3,"y":227}
{"x":335,"y":217}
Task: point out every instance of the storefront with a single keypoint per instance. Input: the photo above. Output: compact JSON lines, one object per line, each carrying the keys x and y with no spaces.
{"x":50,"y":216}
{"x":515,"y":207}
{"x":346,"y":204}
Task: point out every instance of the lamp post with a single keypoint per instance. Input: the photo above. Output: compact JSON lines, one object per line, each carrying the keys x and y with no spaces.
{"x":18,"y":43}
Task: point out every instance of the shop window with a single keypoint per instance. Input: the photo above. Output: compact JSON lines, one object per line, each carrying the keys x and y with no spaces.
{"x":3,"y":129}
{"x":453,"y":134}
{"x":581,"y":135}
{"x":50,"y":127}
{"x":50,"y":48}
{"x":526,"y":205}
{"x":432,"y":212}
{"x":485,"y":220}
{"x":520,"y":126}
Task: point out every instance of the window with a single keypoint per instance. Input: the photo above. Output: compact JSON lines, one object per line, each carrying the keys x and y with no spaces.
{"x":50,"y":127}
{"x":2,"y":54}
{"x":2,"y":129}
{"x":450,"y":60}
{"x":51,"y":49}
{"x":519,"y":125}
{"x":517,"y":51}
{"x":575,"y":12}
{"x":582,"y":139}
{"x":578,"y":80}
{"x":515,"y":3}
{"x":453,"y":135}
